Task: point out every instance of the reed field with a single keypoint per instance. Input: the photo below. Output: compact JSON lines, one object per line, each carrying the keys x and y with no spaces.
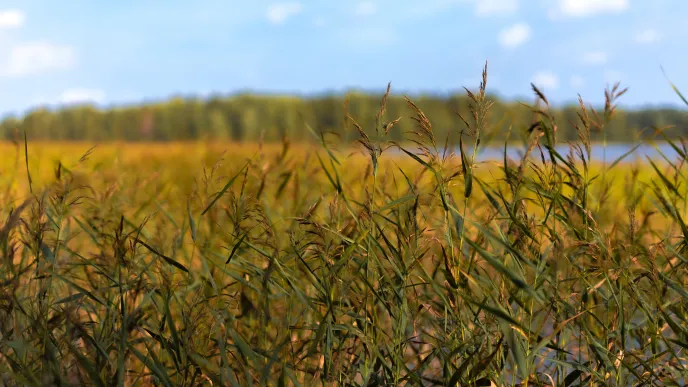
{"x":374,"y":263}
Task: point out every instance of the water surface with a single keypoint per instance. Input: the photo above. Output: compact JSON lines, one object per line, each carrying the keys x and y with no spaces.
{"x":598,"y":152}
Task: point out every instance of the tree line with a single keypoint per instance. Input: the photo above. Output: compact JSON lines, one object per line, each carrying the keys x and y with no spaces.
{"x":250,"y":118}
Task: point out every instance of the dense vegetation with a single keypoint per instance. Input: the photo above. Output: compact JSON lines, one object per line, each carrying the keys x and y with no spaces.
{"x":134,"y":265}
{"x":251,"y":117}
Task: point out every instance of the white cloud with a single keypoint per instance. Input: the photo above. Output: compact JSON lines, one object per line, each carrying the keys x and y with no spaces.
{"x":576,"y":81}
{"x":278,"y":13}
{"x":11,"y":18}
{"x":366,"y":8}
{"x":495,"y":7}
{"x":546,"y":80}
{"x":585,"y":8}
{"x":417,"y":10}
{"x":595,"y":57}
{"x":37,"y":57}
{"x":648,"y":36}
{"x":81,"y":95}
{"x":515,"y":35}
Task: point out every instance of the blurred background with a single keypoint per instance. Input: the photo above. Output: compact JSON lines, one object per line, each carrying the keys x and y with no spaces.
{"x":236,"y":71}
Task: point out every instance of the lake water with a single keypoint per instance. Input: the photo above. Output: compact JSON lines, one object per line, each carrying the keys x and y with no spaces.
{"x":613,"y":152}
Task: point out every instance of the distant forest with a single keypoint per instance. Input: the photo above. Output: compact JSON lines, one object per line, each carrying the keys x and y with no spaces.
{"x":252,"y":117}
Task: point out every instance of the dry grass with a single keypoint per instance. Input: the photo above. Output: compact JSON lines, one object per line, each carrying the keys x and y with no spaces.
{"x":178,"y":265}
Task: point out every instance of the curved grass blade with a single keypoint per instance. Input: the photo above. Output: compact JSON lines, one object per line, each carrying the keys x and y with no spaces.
{"x":224,"y":189}
{"x":164,"y":257}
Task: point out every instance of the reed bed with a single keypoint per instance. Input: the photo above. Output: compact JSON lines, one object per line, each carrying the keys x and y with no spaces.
{"x":378,"y":264}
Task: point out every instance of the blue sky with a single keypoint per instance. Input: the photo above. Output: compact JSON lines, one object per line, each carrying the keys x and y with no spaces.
{"x":129,"y":51}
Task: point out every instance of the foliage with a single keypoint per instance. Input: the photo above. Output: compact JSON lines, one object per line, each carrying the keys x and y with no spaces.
{"x":254,"y":118}
{"x":385,"y":265}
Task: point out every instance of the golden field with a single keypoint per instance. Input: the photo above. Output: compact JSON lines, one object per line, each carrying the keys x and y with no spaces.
{"x":236,"y":264}
{"x":173,"y":172}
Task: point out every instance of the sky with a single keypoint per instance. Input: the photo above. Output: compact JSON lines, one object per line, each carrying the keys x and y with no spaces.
{"x":103,"y":52}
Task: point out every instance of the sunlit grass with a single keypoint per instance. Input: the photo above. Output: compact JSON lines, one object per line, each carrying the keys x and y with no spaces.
{"x":342,"y":264}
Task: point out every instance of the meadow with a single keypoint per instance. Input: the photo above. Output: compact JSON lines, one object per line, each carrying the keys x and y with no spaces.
{"x":375,"y":263}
